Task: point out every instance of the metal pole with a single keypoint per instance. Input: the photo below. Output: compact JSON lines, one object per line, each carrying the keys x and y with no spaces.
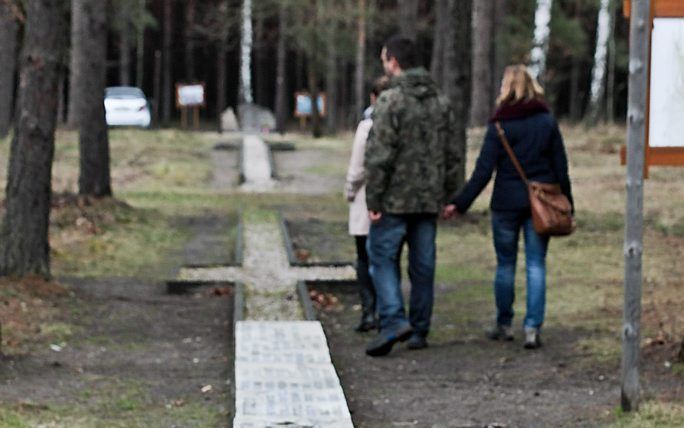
{"x":640,"y":26}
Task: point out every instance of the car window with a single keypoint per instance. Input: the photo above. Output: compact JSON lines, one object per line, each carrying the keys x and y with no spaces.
{"x":124,"y":92}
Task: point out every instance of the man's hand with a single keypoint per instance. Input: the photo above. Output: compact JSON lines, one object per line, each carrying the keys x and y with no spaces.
{"x":449,"y":211}
{"x":374,"y":216}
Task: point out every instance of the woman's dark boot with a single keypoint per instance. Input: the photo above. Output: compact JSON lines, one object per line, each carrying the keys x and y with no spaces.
{"x":368,"y":321}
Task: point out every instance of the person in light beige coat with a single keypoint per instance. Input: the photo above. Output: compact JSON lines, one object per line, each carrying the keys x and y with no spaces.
{"x":359,"y":223}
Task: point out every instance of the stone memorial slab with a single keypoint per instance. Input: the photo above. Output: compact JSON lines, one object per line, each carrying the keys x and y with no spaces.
{"x":284,"y":375}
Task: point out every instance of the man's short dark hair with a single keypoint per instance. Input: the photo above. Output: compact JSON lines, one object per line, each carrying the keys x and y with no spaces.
{"x":403,"y":50}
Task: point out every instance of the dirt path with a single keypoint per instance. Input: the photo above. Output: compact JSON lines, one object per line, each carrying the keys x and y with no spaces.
{"x":469,"y":381}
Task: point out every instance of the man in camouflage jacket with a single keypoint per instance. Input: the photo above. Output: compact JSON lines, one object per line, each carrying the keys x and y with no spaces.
{"x":412,"y":164}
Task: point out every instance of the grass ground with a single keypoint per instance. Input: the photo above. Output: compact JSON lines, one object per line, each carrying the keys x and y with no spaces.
{"x":160,"y":175}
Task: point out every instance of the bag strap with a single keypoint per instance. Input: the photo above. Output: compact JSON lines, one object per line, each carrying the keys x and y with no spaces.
{"x":509,"y":150}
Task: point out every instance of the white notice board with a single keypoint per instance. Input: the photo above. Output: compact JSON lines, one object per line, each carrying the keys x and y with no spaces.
{"x":666,"y":128}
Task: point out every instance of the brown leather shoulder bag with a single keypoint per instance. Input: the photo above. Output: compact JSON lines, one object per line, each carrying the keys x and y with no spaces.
{"x":551,"y":209}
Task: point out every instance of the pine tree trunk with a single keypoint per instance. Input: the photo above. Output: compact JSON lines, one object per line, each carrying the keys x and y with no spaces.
{"x":408,"y":18}
{"x":74,"y":69}
{"x":167,"y":88}
{"x":610,"y":84}
{"x":8,"y":58}
{"x":140,"y":50}
{"x":221,"y":48}
{"x":260,"y":66}
{"x":24,"y":245}
{"x":331,"y":76}
{"x":457,"y":69}
{"x":482,"y":91}
{"x":575,"y":100}
{"x":501,"y":33}
{"x":124,"y":51}
{"x":542,"y":32}
{"x":360,"y":72}
{"x":442,"y":21}
{"x":281,"y":73}
{"x":189,"y":58}
{"x":94,"y":178}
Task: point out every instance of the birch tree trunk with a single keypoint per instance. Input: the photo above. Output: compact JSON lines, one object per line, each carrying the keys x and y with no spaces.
{"x":94,"y":176}
{"x":281,"y":72}
{"x":483,"y":62}
{"x":360,"y":74}
{"x":598,"y":74}
{"x":24,"y":244}
{"x":639,"y":56}
{"x":246,"y":54}
{"x":542,"y":32}
{"x":8,"y":58}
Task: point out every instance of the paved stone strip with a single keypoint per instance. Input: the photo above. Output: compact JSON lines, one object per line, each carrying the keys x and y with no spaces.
{"x":256,"y":165}
{"x":284,"y":376}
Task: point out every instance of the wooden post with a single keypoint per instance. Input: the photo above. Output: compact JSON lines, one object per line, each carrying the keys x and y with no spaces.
{"x":640,"y":24}
{"x":195,"y":117}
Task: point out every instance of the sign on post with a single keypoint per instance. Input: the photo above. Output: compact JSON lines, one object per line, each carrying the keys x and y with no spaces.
{"x":304,"y":107}
{"x":190,"y":96}
{"x":665,"y":129}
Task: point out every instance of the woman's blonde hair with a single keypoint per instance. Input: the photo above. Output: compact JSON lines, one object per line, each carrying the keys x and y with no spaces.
{"x":518,"y":85}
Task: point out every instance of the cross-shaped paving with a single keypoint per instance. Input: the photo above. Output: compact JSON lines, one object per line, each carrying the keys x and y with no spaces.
{"x":283,"y":370}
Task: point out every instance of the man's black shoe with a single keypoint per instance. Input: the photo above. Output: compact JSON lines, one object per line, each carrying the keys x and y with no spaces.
{"x":417,"y":341}
{"x":383,"y":342}
{"x":367,"y":323}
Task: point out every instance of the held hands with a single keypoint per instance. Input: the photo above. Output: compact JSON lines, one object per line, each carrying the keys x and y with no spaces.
{"x":374,"y":216}
{"x":450,"y":211}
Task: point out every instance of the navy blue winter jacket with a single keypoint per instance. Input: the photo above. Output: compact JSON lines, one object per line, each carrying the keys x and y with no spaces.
{"x":538,"y":145}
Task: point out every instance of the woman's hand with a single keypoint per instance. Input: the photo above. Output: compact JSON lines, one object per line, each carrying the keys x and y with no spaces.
{"x":374,"y":216}
{"x":449,"y":211}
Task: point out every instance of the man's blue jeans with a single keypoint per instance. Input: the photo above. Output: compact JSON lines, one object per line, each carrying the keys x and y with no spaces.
{"x":384,"y":241}
{"x":506,"y":227}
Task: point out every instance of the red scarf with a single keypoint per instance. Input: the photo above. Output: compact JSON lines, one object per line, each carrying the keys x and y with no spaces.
{"x":519,"y":110}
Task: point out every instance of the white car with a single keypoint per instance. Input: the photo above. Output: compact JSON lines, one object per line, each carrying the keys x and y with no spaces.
{"x":126,"y":106}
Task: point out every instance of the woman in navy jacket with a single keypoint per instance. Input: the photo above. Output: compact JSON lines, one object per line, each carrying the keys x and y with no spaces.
{"x":536,"y":141}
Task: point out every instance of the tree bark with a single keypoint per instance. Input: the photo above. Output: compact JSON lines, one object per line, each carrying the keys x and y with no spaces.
{"x":221,"y":48}
{"x":542,"y":32}
{"x":189,"y":58}
{"x":408,"y":18}
{"x":442,"y":21}
{"x":598,"y":80}
{"x":125,"y":49}
{"x":331,"y":75}
{"x":8,"y":58}
{"x":260,"y":56}
{"x":167,"y":88}
{"x":94,"y":178}
{"x":281,"y":72}
{"x":24,"y":244}
{"x":360,"y":72}
{"x":74,"y":69}
{"x":457,"y":70}
{"x":140,"y":50}
{"x":482,"y":91}
{"x":246,"y":40}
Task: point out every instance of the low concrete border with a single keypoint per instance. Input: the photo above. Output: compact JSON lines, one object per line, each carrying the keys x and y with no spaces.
{"x":289,"y":248}
{"x":303,"y":288}
{"x":239,"y":250}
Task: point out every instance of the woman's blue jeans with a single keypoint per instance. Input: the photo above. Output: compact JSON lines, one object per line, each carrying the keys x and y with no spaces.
{"x":506,"y":226}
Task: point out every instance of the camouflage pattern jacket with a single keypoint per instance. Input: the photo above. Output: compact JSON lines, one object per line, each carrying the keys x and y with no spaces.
{"x":412,"y":161}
